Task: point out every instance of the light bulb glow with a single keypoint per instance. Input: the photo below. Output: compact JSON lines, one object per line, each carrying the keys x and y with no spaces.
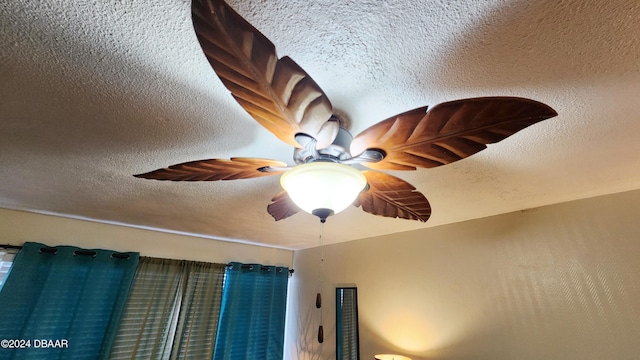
{"x":391,"y":357}
{"x":323,"y":185}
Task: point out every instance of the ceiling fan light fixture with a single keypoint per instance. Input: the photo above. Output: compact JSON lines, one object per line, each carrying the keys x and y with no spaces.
{"x":323,"y":188}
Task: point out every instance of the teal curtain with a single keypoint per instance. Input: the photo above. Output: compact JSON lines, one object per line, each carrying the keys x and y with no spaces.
{"x":64,"y":302}
{"x":252,"y":316}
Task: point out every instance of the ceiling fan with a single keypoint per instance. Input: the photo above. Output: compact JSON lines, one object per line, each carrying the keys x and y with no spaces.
{"x":284,"y":99}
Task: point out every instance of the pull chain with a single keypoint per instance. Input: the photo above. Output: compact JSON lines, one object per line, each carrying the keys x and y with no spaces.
{"x":321,"y":245}
{"x":320,"y":284}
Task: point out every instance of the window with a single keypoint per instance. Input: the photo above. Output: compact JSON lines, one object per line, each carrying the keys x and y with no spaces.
{"x":6,"y":259}
{"x":172,"y":311}
{"x":347,"y":339}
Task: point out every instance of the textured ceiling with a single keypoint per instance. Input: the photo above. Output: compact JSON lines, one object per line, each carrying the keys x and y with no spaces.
{"x":93,"y":92}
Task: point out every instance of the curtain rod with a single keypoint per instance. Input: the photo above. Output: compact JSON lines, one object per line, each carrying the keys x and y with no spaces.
{"x":9,"y":246}
{"x":249,"y":266}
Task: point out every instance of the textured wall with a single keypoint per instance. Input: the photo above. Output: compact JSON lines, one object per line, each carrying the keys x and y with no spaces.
{"x":558,"y":282}
{"x":16,"y":227}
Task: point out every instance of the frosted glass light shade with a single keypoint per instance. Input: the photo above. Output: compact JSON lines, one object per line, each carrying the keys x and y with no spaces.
{"x":323,"y":185}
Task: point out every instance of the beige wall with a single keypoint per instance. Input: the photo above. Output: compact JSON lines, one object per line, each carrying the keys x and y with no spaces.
{"x":17,"y":227}
{"x":559,"y":282}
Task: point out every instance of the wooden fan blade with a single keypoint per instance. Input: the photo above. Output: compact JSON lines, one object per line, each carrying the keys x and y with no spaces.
{"x":277,"y":93}
{"x":281,"y":206}
{"x":217,"y":169}
{"x":393,"y":197}
{"x":448,"y":132}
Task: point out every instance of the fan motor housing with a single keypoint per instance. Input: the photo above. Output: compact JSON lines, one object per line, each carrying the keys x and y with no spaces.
{"x":337,"y":151}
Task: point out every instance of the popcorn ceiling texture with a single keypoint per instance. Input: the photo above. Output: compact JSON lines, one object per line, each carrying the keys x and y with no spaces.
{"x":95,"y":91}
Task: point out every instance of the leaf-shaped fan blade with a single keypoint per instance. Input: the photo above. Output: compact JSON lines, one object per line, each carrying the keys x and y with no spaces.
{"x":217,"y":169}
{"x":281,"y":206}
{"x":277,"y":93}
{"x":393,"y":197}
{"x":448,"y":132}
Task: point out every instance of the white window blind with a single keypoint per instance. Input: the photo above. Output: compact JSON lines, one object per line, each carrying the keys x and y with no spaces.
{"x":6,"y":259}
{"x":348,"y":347}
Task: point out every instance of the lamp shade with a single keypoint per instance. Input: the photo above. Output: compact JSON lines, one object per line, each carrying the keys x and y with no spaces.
{"x":323,"y":187}
{"x":390,"y":357}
